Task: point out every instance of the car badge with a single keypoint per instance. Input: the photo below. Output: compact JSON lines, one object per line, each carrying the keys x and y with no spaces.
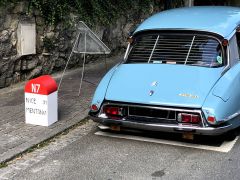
{"x":154,"y":83}
{"x":188,"y":95}
{"x":151,"y":93}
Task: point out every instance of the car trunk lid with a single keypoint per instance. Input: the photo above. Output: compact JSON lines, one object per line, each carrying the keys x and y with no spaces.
{"x":162,"y":84}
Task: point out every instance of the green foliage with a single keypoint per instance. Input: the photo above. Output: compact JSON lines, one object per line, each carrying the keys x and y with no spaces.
{"x":52,"y":11}
{"x":173,"y":4}
{"x":92,"y":11}
{"x":5,"y":2}
{"x":3,"y":165}
{"x":48,"y":44}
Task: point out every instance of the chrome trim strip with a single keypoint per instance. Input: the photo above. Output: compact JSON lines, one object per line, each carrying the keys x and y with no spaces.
{"x":154,"y":47}
{"x":127,"y":51}
{"x":231,"y":117}
{"x":152,"y":107}
{"x":155,"y":107}
{"x":168,"y":128}
{"x":189,"y":50}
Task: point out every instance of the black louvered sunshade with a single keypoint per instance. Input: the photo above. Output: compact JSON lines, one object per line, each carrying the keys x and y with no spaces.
{"x":171,"y":48}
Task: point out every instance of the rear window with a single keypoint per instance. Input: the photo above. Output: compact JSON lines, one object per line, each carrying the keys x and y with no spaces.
{"x":187,"y":49}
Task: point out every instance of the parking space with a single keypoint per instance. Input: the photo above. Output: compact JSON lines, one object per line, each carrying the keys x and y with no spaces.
{"x":81,"y":154}
{"x":218,"y":143}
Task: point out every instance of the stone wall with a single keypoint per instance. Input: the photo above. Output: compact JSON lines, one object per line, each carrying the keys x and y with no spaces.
{"x":54,"y":44}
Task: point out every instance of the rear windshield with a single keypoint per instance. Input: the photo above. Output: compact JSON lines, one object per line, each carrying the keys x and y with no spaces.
{"x":188,"y":49}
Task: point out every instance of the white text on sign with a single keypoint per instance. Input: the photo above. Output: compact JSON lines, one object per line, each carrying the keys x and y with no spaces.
{"x":35,"y":88}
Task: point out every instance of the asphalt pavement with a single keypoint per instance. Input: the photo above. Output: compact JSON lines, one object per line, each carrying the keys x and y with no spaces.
{"x":83,"y":155}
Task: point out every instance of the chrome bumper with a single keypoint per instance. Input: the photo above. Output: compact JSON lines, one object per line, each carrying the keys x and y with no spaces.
{"x":167,"y":127}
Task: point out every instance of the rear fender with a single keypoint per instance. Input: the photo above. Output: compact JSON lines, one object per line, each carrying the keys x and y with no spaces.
{"x":224,"y":100}
{"x":100,"y":92}
{"x":228,"y":83}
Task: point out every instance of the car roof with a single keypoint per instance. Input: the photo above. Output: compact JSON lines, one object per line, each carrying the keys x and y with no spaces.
{"x":221,"y":20}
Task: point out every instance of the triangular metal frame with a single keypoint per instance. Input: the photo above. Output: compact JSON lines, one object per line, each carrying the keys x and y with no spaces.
{"x":85,"y":29}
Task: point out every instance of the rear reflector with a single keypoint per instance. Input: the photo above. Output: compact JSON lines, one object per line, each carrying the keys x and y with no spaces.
{"x":211,"y":119}
{"x":130,"y":40}
{"x":94,"y":107}
{"x":189,"y":118}
{"x":225,"y":42}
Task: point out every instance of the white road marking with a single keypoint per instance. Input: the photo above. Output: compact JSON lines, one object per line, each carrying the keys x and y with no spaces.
{"x":225,"y":147}
{"x":102,"y":127}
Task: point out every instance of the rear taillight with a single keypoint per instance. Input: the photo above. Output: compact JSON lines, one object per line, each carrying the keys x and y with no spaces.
{"x":189,"y":118}
{"x":186,"y":118}
{"x":196,"y":119}
{"x":114,"y":111}
{"x":94,"y":107}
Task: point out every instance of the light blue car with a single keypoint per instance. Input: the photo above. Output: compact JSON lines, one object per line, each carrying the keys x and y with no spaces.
{"x":180,"y":73}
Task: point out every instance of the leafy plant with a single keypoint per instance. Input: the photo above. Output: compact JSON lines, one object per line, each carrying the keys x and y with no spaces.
{"x":91,"y":11}
{"x":48,"y":43}
{"x":3,"y":165}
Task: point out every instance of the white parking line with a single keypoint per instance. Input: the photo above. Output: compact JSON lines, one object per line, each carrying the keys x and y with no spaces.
{"x":225,"y":147}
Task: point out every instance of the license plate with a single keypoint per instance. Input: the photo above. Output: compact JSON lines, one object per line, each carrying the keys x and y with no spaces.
{"x":188,"y":135}
{"x":115,"y":128}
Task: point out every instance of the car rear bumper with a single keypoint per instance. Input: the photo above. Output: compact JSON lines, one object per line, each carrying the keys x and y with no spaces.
{"x":167,"y":127}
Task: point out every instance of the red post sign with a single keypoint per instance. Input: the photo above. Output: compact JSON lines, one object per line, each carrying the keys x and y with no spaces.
{"x":41,"y":101}
{"x":44,"y":85}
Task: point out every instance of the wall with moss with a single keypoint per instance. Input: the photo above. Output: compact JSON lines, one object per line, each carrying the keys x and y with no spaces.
{"x":56,"y":22}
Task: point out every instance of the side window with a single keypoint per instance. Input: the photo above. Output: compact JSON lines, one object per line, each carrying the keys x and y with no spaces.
{"x":234,"y":51}
{"x":238,"y":42}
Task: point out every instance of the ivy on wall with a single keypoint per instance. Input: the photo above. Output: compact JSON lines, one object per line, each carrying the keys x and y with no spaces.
{"x":91,"y":11}
{"x":6,"y":2}
{"x":173,"y":4}
{"x":94,"y":11}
